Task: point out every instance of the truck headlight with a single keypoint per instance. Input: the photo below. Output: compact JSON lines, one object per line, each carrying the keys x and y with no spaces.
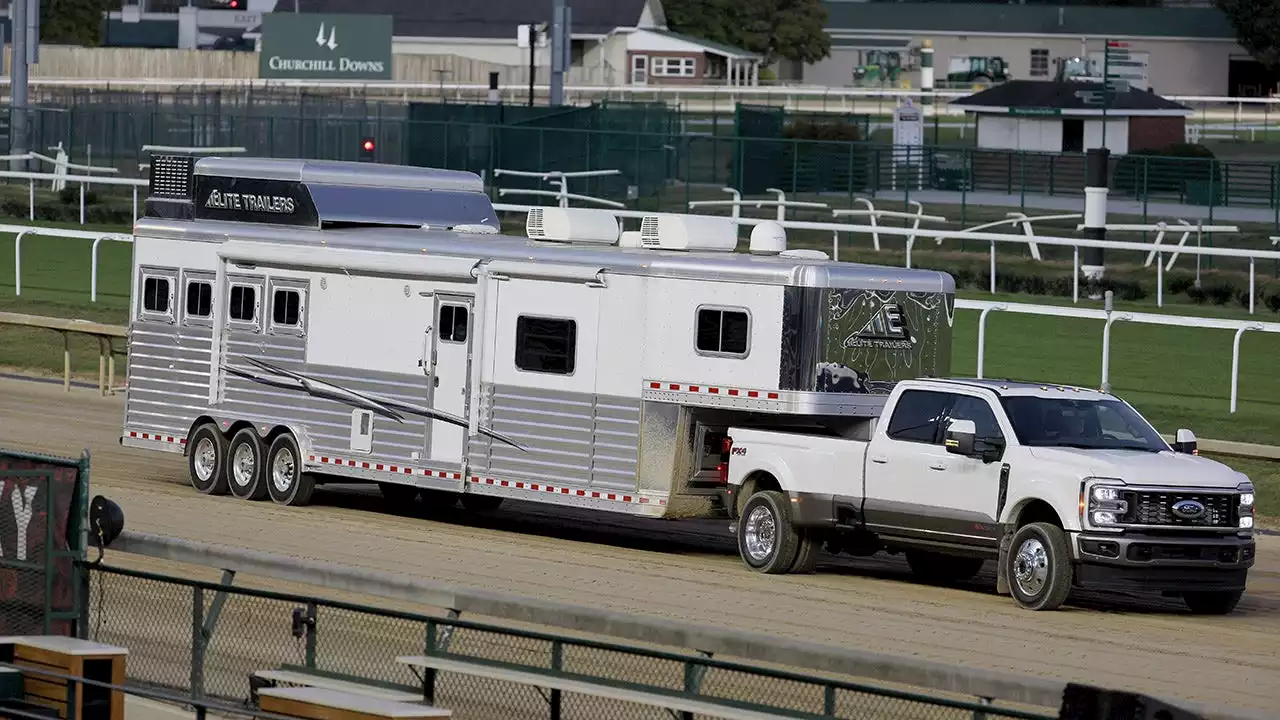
{"x":1246,"y":506}
{"x":1105,"y":505}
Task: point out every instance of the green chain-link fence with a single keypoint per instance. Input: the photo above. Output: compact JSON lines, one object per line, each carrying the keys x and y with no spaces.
{"x":208,"y":639}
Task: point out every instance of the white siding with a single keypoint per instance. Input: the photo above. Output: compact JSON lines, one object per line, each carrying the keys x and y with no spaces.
{"x":1117,"y":135}
{"x":1011,"y":132}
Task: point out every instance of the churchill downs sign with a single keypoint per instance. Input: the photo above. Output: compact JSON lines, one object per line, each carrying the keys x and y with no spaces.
{"x":318,"y":46}
{"x":43,"y":506}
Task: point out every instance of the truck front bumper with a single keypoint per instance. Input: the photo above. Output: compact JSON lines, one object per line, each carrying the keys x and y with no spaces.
{"x":1151,"y":563}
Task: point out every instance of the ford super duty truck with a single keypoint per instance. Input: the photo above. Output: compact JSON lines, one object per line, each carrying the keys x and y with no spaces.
{"x":1063,"y":487}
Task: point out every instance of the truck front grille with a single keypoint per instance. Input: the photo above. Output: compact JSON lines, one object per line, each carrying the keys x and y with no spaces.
{"x":1156,"y":509}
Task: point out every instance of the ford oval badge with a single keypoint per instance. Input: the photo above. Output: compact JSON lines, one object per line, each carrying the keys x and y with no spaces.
{"x":1188,"y":509}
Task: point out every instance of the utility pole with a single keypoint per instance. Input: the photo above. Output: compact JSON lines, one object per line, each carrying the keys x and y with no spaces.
{"x":18,"y":103}
{"x":561,"y":49}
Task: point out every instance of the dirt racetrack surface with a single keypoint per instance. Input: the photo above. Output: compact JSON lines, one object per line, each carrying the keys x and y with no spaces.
{"x":687,"y":570}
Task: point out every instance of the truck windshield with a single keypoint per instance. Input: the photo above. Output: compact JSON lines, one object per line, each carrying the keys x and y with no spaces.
{"x":1076,"y":423}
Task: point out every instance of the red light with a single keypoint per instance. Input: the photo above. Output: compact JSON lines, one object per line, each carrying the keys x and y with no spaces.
{"x":368,"y":146}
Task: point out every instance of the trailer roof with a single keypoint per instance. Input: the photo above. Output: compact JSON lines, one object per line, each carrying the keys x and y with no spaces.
{"x":711,"y":266}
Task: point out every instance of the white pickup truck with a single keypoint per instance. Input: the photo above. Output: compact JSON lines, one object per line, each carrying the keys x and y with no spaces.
{"x":1064,"y":487}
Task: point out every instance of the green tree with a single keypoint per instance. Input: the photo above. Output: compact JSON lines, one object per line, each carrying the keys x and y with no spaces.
{"x":777,"y":29}
{"x":1257,"y":25}
{"x":72,"y":22}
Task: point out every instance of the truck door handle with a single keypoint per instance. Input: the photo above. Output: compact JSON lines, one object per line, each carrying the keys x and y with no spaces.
{"x":938,"y":466}
{"x":880,"y":459}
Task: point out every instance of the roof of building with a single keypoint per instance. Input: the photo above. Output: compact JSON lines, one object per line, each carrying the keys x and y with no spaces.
{"x":861,"y":17}
{"x":496,"y":19}
{"x":1065,"y":95}
{"x":714,"y":48}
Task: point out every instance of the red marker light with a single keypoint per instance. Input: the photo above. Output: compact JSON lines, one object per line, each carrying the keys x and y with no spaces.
{"x":368,"y":146}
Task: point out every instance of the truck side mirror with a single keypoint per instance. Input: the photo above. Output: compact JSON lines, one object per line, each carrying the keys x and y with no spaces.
{"x":960,"y":437}
{"x":1185,"y":442}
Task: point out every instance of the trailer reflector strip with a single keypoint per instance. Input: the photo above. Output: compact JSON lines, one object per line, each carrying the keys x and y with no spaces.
{"x":558,"y":490}
{"x":157,"y":437}
{"x":385,"y":467}
{"x":713,"y":390}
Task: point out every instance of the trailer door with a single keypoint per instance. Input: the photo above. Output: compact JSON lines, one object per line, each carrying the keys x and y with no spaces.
{"x":448,"y":376}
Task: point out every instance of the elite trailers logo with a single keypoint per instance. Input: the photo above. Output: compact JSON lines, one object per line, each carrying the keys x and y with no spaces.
{"x":886,"y":329}
{"x":249,"y":202}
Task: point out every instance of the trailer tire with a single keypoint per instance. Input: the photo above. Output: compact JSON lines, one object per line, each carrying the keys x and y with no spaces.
{"x":767,"y":541}
{"x":1039,"y":566}
{"x":246,"y":469}
{"x":287,"y":484}
{"x":207,"y":460}
{"x":807,"y":554}
{"x":938,"y":568}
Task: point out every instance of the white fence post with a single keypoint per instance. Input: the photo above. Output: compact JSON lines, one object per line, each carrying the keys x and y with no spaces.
{"x":1235,"y":363}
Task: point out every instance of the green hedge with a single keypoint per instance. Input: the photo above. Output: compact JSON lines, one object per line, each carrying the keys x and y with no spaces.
{"x":64,"y":206}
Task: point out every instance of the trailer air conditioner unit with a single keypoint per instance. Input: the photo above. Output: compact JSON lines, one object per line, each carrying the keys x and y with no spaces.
{"x":572,"y":225}
{"x":689,"y":232}
{"x":630,"y":239}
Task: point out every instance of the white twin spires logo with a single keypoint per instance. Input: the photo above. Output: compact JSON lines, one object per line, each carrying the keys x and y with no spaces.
{"x":332,"y":42}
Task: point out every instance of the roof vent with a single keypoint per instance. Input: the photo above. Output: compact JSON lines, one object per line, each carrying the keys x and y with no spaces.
{"x":572,"y":225}
{"x":802,"y":254}
{"x":768,"y":238}
{"x":689,"y":232}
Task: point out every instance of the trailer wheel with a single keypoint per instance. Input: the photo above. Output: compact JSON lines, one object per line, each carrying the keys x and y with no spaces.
{"x":939,"y":568}
{"x":207,"y":460}
{"x":286,"y":483}
{"x":246,"y":471}
{"x":1039,"y":567}
{"x":1212,"y":603}
{"x":767,"y":541}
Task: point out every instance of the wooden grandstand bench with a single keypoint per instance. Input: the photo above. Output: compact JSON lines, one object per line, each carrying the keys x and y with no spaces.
{"x":73,"y":657}
{"x":301,"y":677}
{"x":315,"y":703}
{"x":708,"y":707}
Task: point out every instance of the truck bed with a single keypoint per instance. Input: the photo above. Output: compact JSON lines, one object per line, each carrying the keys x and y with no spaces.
{"x":828,"y":465}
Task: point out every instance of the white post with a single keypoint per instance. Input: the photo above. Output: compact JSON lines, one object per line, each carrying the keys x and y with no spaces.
{"x":1160,"y":284}
{"x":31,"y":200}
{"x":1106,"y":354}
{"x":1235,"y":366}
{"x":17,"y":262}
{"x":835,"y":244}
{"x":992,"y":281}
{"x":982,"y":338}
{"x":81,"y":203}
{"x":1075,"y":274}
{"x":135,"y":203}
{"x":1251,"y":284}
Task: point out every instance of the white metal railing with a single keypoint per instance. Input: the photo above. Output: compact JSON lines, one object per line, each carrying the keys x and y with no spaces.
{"x":82,"y":180}
{"x":21,"y":231}
{"x":1108,"y":316}
{"x":1252,"y":255}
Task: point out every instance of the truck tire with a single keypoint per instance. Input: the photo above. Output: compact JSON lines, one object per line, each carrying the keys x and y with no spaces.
{"x":767,"y":541}
{"x":810,"y":547}
{"x":1212,"y":603}
{"x":247,"y":466}
{"x":1039,"y":567}
{"x":938,"y":568}
{"x":207,"y":460}
{"x":287,"y":484}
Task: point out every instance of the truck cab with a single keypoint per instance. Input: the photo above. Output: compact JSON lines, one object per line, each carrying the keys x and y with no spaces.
{"x":1062,"y":486}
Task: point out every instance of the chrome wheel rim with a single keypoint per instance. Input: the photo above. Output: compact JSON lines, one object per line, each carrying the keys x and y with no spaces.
{"x":1031,"y":567}
{"x":761,"y":532}
{"x":205,"y":459}
{"x":282,"y":471}
{"x":243,"y":465}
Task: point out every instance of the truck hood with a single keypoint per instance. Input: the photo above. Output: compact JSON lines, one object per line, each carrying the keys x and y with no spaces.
{"x":1135,"y":467}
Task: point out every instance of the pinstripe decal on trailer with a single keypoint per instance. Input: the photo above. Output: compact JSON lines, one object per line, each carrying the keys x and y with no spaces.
{"x":560,"y":490}
{"x":385,"y":467}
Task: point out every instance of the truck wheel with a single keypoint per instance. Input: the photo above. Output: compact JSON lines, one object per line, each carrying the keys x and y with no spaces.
{"x":938,"y":568}
{"x":1039,"y":567}
{"x":246,"y":469}
{"x":766,"y":540}
{"x":286,"y":483}
{"x":1212,"y":603}
{"x":807,"y":555}
{"x":207,"y":460}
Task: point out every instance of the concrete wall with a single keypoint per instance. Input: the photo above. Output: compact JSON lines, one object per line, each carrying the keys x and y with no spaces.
{"x":1177,"y":67}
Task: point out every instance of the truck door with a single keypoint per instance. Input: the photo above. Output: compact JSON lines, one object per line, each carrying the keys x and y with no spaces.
{"x":449,"y":375}
{"x":916,"y":489}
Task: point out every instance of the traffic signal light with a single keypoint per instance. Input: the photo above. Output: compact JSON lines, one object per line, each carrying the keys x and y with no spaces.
{"x":367,"y":147}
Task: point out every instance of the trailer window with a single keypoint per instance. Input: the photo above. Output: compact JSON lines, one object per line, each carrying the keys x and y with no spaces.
{"x":723,"y":332}
{"x":286,"y":307}
{"x":917,"y":416}
{"x":155,"y":295}
{"x":453,"y":323}
{"x":546,"y":345}
{"x":243,"y":303}
{"x":199,"y":299}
